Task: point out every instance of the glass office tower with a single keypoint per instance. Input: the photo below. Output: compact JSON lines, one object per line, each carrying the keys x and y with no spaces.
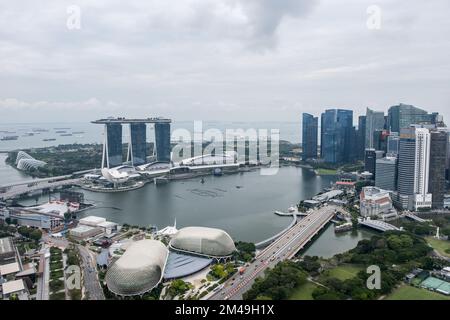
{"x":162,"y":137}
{"x":309,"y":136}
{"x":113,"y":145}
{"x":438,"y":155}
{"x":138,"y":150}
{"x":338,"y":137}
{"x":403,"y":116}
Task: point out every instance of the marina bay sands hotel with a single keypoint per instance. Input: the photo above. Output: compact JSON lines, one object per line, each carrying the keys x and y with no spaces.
{"x":137,"y":144}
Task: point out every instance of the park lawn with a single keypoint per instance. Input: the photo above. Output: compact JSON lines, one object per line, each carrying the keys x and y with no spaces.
{"x":304,"y":291}
{"x":439,"y":245}
{"x":407,"y":292}
{"x":344,"y":272}
{"x":326,"y":172}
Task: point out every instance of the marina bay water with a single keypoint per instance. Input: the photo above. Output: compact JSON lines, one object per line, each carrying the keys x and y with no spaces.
{"x":242,"y":204}
{"x":91,"y":133}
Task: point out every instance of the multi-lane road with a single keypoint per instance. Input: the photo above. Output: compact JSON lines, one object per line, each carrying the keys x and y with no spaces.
{"x":91,"y":281}
{"x":285,"y":247}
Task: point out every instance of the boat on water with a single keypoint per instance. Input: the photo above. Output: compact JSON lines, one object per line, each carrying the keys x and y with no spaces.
{"x":50,"y":139}
{"x":8,"y":138}
{"x":61,"y":131}
{"x":66,"y":135}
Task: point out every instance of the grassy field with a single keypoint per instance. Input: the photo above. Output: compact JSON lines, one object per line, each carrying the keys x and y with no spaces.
{"x":343,"y":272}
{"x":304,"y":291}
{"x":411,"y":293}
{"x":326,"y":172}
{"x":439,"y":245}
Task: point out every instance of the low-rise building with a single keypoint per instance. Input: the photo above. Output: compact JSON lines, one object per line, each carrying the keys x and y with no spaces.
{"x":7,"y":251}
{"x":84,"y":232}
{"x":16,"y":287}
{"x":375,"y":202}
{"x":108,"y":227}
{"x":92,"y":221}
{"x":9,"y":269}
{"x":324,"y":197}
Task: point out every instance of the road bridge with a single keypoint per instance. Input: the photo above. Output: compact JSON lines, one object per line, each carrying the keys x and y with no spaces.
{"x":285,"y":247}
{"x":28,"y":187}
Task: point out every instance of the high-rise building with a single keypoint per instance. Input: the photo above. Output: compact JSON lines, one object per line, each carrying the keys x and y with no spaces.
{"x":386,"y":173}
{"x":403,"y":116}
{"x":137,"y":148}
{"x":309,"y":136}
{"x":380,"y":140}
{"x":137,"y":144}
{"x":438,"y":155}
{"x":393,"y":144}
{"x":162,"y":137}
{"x":336,"y":126}
{"x":413,"y":169}
{"x":374,"y":121}
{"x":423,"y":198}
{"x":370,"y":160}
{"x":113,"y":137}
{"x":361,"y":136}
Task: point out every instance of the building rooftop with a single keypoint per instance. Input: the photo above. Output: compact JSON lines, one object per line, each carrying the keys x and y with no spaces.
{"x":82,"y":228}
{"x":139,"y":269}
{"x":374,"y":193}
{"x":107,"y":224}
{"x":181,"y":265}
{"x":127,"y":121}
{"x":13,"y":286}
{"x":9,"y":268}
{"x":209,"y":242}
{"x":6,"y":245}
{"x":92,"y":220}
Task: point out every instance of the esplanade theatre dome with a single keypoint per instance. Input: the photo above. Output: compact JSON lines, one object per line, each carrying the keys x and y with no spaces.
{"x":139,"y":269}
{"x":204,"y":241}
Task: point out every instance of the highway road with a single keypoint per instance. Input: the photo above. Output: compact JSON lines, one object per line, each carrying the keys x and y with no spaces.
{"x":283,"y":248}
{"x":91,"y":281}
{"x":19,"y":189}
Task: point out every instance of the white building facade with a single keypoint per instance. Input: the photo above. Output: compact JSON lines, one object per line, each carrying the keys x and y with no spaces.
{"x":422,"y":198}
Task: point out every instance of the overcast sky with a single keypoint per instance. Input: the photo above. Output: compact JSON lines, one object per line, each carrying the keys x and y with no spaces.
{"x":220,"y":59}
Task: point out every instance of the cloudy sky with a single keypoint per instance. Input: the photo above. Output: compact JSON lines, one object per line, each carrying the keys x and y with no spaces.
{"x":219,"y":59}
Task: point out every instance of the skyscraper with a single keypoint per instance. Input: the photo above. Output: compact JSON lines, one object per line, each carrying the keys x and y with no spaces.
{"x":309,"y":136}
{"x":413,"y":169}
{"x":403,"y":116}
{"x":423,"y":198}
{"x":137,"y":149}
{"x":406,"y":161}
{"x":336,"y":126}
{"x":361,"y":136}
{"x":393,"y":144}
{"x":380,"y":140}
{"x":370,"y":160}
{"x":386,"y":173}
{"x":374,"y":121}
{"x":113,"y":138}
{"x":162,"y":137}
{"x":137,"y":143}
{"x":438,"y":154}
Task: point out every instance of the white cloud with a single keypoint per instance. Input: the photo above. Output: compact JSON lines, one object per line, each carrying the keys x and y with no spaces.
{"x":221,"y":59}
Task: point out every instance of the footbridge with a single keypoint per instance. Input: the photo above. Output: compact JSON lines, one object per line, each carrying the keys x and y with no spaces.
{"x":414,"y":217}
{"x":378,"y":225}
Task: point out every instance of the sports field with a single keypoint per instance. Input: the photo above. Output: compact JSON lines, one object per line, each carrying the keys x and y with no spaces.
{"x":303,"y":292}
{"x":343,"y":272}
{"x":440,"y":245}
{"x":407,"y":292}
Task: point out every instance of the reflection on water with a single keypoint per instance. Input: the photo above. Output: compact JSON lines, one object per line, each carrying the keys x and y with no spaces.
{"x":242,"y":204}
